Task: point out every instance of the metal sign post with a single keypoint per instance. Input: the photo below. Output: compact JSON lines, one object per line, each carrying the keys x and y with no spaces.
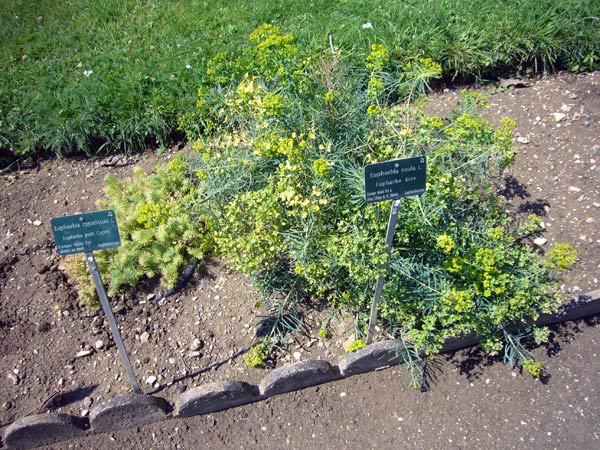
{"x":392,"y":180}
{"x":89,"y":256}
{"x":389,"y":239}
{"x":84,"y":233}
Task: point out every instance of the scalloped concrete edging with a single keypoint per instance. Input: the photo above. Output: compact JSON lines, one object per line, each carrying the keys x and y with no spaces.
{"x":300,"y":375}
{"x":215,"y":397}
{"x":138,"y":409}
{"x":42,"y":429}
{"x":127,"y":411}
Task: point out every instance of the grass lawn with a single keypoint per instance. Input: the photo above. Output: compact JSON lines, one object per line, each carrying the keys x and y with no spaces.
{"x":87,"y":76}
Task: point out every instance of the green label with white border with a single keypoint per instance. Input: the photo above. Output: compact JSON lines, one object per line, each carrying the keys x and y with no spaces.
{"x":394,"y":179}
{"x":82,"y":233}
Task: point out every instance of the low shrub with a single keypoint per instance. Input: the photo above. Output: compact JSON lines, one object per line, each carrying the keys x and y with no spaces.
{"x":283,"y":166}
{"x":161,"y":227}
{"x":277,"y":188}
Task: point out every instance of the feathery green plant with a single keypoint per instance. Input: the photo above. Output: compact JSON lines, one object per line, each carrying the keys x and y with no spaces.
{"x":458,"y":264}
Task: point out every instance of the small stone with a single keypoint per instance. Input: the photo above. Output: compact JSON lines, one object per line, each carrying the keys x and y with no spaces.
{"x":87,"y":402}
{"x":558,"y":116}
{"x":13,"y":377}
{"x":172,"y":360}
{"x":197,"y":344}
{"x":145,"y":337}
{"x":84,"y":353}
{"x":6,"y":406}
{"x":540,"y":241}
{"x":297,"y":355}
{"x":99,"y":344}
{"x":523,"y":140}
{"x":85,"y":412}
{"x":343,"y":394}
{"x":574,"y":189}
{"x":151,"y":379}
{"x":195,"y":354}
{"x":149,"y":297}
{"x":37,"y":223}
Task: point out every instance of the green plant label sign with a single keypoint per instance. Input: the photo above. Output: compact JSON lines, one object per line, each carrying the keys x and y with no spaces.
{"x":82,"y":233}
{"x":394,"y":179}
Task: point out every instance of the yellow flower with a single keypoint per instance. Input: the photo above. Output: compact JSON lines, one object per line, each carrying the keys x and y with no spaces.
{"x":445,"y":243}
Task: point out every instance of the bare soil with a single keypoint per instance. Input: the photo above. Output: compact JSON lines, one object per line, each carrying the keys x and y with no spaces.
{"x":201,"y":333}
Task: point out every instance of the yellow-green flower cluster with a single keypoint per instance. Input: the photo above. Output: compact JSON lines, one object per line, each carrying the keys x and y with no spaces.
{"x":378,"y":59}
{"x":445,"y":243}
{"x":562,"y":256}
{"x":460,"y":300}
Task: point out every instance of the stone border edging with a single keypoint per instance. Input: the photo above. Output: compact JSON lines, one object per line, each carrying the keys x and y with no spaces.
{"x":42,"y":429}
{"x":215,"y":397}
{"x":138,"y":409}
{"x":127,"y":411}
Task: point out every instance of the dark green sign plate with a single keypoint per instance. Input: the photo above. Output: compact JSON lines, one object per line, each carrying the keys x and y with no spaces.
{"x":394,"y":179}
{"x":85,"y":232}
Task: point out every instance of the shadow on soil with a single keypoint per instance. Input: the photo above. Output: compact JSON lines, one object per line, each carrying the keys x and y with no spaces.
{"x":471,"y":362}
{"x":213,"y":366}
{"x":514,"y":189}
{"x":59,"y":399}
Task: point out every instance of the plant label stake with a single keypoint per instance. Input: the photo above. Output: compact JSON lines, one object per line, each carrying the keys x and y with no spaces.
{"x":391,"y":180}
{"x":84,"y":233}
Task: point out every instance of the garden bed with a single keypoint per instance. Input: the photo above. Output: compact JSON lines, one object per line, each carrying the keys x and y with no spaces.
{"x":200,"y":334}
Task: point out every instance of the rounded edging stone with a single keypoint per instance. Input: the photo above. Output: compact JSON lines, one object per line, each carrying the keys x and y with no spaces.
{"x":42,"y":429}
{"x":300,"y":375}
{"x":372,"y":357}
{"x":127,"y":411}
{"x":580,"y":307}
{"x":215,"y":397}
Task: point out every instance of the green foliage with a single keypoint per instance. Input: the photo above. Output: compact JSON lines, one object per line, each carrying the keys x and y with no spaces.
{"x":258,"y":355}
{"x":294,"y":205}
{"x":533,"y":367}
{"x":541,"y":335}
{"x":562,"y":256}
{"x":515,"y":352}
{"x":161,"y":229}
{"x":324,"y":333}
{"x":90,"y":77}
{"x":356,"y":345}
{"x":78,"y":273}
